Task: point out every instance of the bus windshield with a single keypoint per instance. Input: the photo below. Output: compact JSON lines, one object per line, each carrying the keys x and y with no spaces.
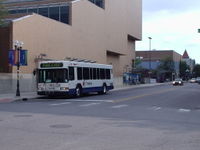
{"x":53,"y":76}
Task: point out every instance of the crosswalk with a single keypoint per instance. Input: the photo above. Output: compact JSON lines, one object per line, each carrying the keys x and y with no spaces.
{"x":112,"y":105}
{"x":87,"y":103}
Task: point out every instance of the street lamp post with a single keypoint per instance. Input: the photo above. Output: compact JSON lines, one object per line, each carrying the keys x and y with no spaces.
{"x":18,"y":47}
{"x":149,"y":52}
{"x":149,"y":59}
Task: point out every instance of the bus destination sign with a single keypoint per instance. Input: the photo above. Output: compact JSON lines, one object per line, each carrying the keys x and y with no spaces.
{"x":51,"y":65}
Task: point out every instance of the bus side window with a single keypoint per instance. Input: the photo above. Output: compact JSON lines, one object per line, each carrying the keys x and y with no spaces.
{"x":102,"y":74}
{"x":79,"y":73}
{"x":108,"y":74}
{"x":94,"y":73}
{"x":71,"y":73}
{"x":98,"y":73}
{"x":91,"y":74}
{"x":86,"y":74}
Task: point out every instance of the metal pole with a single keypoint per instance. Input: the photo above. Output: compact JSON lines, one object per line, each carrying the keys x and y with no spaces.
{"x":18,"y":65}
{"x":149,"y":59}
{"x":149,"y":53}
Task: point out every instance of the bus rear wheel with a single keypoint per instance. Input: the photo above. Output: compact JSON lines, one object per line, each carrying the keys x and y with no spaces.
{"x":78,"y":91}
{"x":104,"y":90}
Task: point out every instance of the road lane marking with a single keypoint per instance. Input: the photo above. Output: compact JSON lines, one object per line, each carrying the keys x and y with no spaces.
{"x":140,"y":96}
{"x":58,"y":104}
{"x":119,"y":106}
{"x":184,"y":110}
{"x":82,"y":100}
{"x":90,"y":104}
{"x":156,"y":108}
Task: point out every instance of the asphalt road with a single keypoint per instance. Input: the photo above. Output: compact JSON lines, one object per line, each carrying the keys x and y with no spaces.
{"x":163,"y":117}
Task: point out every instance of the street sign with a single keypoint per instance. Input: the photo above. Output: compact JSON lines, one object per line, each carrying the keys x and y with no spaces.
{"x":198,"y":30}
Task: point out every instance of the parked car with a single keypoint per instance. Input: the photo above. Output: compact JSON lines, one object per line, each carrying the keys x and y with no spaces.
{"x":198,"y":80}
{"x":177,"y":81}
{"x":193,"y":80}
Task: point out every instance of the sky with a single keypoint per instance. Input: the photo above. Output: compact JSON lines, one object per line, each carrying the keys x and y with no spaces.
{"x":172,"y":25}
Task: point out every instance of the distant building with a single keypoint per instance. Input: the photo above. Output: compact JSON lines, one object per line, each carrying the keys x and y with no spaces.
{"x":152,"y":59}
{"x":190,"y":62}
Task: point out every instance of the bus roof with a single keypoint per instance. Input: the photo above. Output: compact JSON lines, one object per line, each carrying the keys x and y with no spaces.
{"x":65,"y":63}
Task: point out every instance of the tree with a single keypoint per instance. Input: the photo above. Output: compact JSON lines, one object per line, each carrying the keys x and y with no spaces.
{"x":138,"y":61}
{"x":167,"y":65}
{"x":183,"y":67}
{"x":166,"y":69}
{"x":196,"y":70}
{"x":3,"y":12}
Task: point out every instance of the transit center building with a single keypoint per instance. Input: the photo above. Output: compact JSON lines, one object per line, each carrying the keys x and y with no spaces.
{"x":104,"y":31}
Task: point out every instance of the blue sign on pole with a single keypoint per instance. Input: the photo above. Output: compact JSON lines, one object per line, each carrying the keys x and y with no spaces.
{"x":23,"y":57}
{"x":13,"y":56}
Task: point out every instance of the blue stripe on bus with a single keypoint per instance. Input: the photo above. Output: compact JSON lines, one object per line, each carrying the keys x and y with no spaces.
{"x":93,"y":89}
{"x":73,"y":91}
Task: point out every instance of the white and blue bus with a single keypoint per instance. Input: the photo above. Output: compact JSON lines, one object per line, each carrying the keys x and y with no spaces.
{"x":73,"y":78}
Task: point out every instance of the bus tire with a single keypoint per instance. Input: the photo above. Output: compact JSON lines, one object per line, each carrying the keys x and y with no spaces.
{"x":104,"y":89}
{"x":78,"y":91}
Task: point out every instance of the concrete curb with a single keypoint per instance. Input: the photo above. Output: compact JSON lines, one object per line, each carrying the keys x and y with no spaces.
{"x":140,"y":86}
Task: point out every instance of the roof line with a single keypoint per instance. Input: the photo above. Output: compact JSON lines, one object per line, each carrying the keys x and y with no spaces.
{"x":75,"y":1}
{"x":21,"y":18}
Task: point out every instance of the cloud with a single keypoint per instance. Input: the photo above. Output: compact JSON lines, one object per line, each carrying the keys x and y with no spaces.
{"x":174,"y":31}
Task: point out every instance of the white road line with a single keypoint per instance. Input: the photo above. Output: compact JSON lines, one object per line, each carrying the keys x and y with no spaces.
{"x":119,"y":106}
{"x":155,"y":108}
{"x":58,"y":104}
{"x":90,"y":104}
{"x":92,"y":100}
{"x":184,"y":110}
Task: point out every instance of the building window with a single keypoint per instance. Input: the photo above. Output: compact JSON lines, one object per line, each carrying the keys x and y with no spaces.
{"x":59,"y":13}
{"x":99,"y":3}
{"x":22,"y":11}
{"x":54,"y":13}
{"x":12,"y":11}
{"x":33,"y":10}
{"x":64,"y":14}
{"x":43,"y":12}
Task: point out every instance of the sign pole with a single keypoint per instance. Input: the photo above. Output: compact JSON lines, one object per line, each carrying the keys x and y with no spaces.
{"x":18,"y":67}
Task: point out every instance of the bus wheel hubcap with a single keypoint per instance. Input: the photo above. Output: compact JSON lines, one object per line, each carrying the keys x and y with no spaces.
{"x":77,"y":91}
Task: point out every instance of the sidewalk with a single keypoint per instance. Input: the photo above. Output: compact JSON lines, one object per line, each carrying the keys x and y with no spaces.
{"x":6,"y":98}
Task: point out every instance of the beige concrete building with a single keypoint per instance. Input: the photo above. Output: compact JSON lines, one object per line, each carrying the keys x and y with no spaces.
{"x":104,"y":31}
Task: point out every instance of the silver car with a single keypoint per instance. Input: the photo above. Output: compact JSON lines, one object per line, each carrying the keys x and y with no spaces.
{"x":177,"y":81}
{"x":193,"y":80}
